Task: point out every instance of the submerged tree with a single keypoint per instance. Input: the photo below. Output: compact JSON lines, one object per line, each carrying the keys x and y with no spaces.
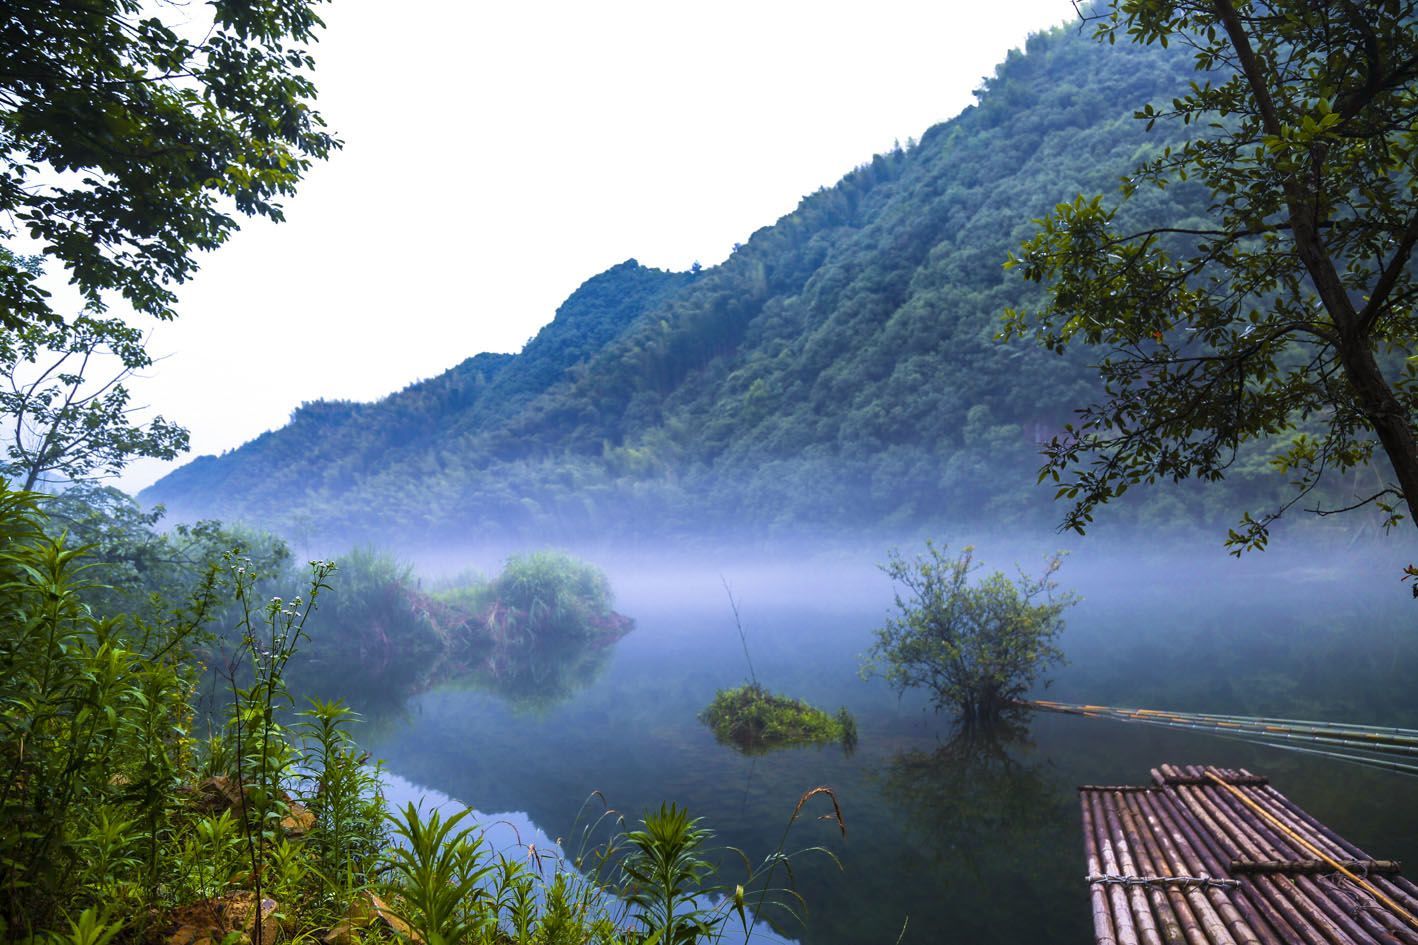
{"x":1285,"y":314}
{"x":978,"y":647}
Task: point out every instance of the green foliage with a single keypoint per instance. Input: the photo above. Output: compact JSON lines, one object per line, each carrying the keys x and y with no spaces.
{"x":976,"y":647}
{"x":345,"y":798}
{"x":92,"y":715}
{"x":665,"y":873}
{"x":549,"y":595}
{"x":101,"y":817}
{"x":265,"y":759}
{"x":132,"y":136}
{"x":112,"y":822}
{"x":375,"y":631}
{"x":147,"y":572}
{"x":437,"y":870}
{"x":1279,"y":314}
{"x":452,"y":889}
{"x":753,"y":719}
{"x":66,"y":426}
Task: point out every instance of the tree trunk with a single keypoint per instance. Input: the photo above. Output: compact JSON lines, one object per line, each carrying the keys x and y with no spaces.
{"x":1374,"y":395}
{"x":1390,"y":421}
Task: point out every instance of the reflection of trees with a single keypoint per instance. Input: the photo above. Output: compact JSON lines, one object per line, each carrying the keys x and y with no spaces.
{"x":536,"y":675}
{"x":973,"y":793}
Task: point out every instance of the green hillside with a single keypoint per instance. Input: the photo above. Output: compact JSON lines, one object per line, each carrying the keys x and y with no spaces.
{"x":838,"y":370}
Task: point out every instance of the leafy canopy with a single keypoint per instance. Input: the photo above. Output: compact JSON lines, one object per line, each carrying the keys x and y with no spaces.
{"x":130,"y":135}
{"x":1284,"y":314}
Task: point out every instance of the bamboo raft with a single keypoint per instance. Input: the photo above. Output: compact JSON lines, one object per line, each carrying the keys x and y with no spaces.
{"x":1216,"y":856}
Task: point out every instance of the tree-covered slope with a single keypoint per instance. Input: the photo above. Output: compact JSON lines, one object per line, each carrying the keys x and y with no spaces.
{"x":839,"y":369}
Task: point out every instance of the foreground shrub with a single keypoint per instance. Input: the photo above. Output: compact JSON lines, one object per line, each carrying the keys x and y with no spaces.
{"x":92,"y":732}
{"x":977,"y":647}
{"x":117,"y":824}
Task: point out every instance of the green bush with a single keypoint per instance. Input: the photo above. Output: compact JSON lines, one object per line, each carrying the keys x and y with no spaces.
{"x":92,"y":733}
{"x":104,"y":811}
{"x":979,"y":647}
{"x":374,"y":632}
{"x":549,"y":595}
{"x":116,"y":823}
{"x":753,"y":719}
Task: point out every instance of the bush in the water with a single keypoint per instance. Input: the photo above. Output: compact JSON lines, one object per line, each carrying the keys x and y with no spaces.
{"x":753,"y":718}
{"x":549,"y":594}
{"x":375,"y":631}
{"x":977,"y":647}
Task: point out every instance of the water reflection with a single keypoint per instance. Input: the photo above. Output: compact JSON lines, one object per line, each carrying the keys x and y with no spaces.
{"x":972,"y":835}
{"x":535,"y":675}
{"x":515,"y":836}
{"x":976,"y":793}
{"x":531,"y":674}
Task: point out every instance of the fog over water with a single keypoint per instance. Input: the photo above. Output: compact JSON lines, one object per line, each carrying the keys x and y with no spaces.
{"x":972,"y":839}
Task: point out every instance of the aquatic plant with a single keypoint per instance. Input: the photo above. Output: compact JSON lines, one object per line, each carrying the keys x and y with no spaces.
{"x":976,"y":647}
{"x":752,"y":719}
{"x":667,"y":876}
{"x":437,"y":874}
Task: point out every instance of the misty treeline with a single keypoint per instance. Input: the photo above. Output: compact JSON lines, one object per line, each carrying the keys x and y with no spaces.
{"x":840,"y":369}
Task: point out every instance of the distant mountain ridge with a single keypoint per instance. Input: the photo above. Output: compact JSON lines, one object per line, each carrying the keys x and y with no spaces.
{"x":838,"y":370}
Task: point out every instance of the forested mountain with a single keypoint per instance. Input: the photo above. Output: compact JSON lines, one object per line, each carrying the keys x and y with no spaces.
{"x":839,"y":369}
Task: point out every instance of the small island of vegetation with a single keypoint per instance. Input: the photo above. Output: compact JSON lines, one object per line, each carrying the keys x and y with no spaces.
{"x":752,"y":719}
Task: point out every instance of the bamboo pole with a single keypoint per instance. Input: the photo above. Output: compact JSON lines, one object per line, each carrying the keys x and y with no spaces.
{"x":1285,"y":814}
{"x":1103,"y":931}
{"x":1377,"y":748}
{"x":1338,"y":930}
{"x":1160,"y":864}
{"x":1312,"y":866}
{"x":1214,"y":908}
{"x":1351,"y":894}
{"x":1270,"y":887}
{"x":1362,"y":883}
{"x":1160,"y":911}
{"x":1305,"y":817}
{"x":1325,"y":837}
{"x":1357,"y":732}
{"x":1400,"y":888}
{"x":1318,"y":894}
{"x":1122,"y":914}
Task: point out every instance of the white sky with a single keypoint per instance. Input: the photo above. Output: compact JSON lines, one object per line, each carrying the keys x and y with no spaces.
{"x":498,"y":155}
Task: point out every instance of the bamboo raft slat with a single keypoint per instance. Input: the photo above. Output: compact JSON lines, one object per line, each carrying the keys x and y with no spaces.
{"x":1217,"y":856}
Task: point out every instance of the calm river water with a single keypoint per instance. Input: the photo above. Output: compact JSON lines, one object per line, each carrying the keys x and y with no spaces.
{"x":956,"y":840}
